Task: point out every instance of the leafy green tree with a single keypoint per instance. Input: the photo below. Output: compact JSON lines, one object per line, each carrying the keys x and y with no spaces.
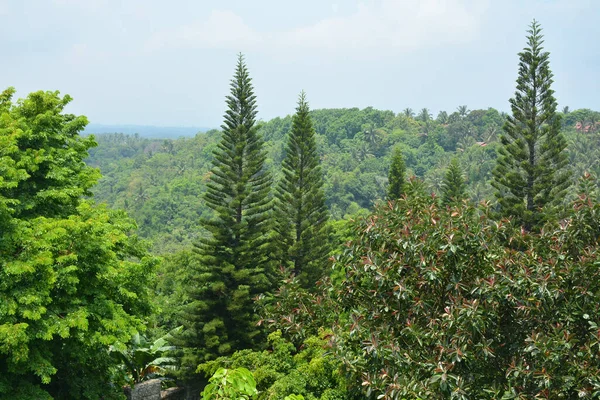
{"x":408,"y":112}
{"x":437,"y":306}
{"x":453,"y":186}
{"x":73,"y":279}
{"x":233,"y":266}
{"x":531,"y":175}
{"x":300,"y":212}
{"x":49,"y":143}
{"x":283,"y":370}
{"x":396,"y":175}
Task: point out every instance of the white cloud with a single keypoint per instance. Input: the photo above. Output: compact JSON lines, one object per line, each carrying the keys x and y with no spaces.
{"x":375,"y":25}
{"x":394,"y":24}
{"x":222,"y":29}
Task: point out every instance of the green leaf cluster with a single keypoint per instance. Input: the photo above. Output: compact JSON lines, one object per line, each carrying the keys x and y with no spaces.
{"x":144,"y":359}
{"x":282,"y":370}
{"x":448,"y":303}
{"x":230,"y":384}
{"x":73,"y":279}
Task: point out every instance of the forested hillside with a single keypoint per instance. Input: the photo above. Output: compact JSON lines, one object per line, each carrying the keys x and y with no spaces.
{"x":160,"y":182}
{"x":338,"y":254}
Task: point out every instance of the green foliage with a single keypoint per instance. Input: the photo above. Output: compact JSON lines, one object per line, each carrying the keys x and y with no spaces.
{"x":300,"y":212}
{"x":311,"y":372}
{"x":531,"y":176}
{"x":453,"y":187}
{"x":233,"y":263}
{"x":160,"y":184}
{"x":170,"y":296}
{"x":73,"y":279}
{"x":298,"y":312}
{"x":396,"y":175}
{"x":440,"y":304}
{"x":162,"y":187}
{"x":50,"y":151}
{"x":230,"y":384}
{"x":144,"y":359}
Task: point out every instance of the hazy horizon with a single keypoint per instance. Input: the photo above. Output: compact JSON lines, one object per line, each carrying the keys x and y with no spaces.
{"x":157,"y":64}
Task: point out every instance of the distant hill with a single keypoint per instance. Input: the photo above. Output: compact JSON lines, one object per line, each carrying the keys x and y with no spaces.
{"x":147,"y":131}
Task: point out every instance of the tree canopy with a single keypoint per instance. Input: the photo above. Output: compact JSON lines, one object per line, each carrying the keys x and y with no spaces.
{"x":73,"y":279}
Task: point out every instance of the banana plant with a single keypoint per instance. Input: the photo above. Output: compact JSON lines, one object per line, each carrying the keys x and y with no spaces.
{"x":145,"y":360}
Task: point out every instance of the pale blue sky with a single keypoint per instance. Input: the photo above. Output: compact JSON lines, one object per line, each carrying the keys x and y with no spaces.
{"x":169,"y":63}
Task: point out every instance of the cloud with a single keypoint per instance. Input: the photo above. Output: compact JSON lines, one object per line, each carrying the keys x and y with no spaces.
{"x":376,"y":25}
{"x":222,"y":29}
{"x":394,"y":24}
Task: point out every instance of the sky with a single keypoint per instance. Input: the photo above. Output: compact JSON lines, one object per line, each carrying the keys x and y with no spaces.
{"x":153,"y":62}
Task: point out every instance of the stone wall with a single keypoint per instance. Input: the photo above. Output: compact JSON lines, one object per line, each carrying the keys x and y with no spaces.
{"x":150,"y":390}
{"x":174,"y":393}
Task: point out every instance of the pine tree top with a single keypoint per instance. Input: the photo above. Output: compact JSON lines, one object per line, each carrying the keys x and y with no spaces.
{"x":396,"y":178}
{"x":453,"y":186}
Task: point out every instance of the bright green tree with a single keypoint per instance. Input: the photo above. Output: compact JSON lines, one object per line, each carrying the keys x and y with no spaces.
{"x":300,"y":211}
{"x":453,"y":186}
{"x":72,"y":278}
{"x":531,"y":175}
{"x":396,"y":176}
{"x":233,"y":264}
{"x":283,"y":370}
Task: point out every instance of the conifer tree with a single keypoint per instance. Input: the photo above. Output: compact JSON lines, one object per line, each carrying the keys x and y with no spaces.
{"x":453,"y":186}
{"x":300,"y":211}
{"x":531,"y":176}
{"x":232,"y":266}
{"x":396,"y":174}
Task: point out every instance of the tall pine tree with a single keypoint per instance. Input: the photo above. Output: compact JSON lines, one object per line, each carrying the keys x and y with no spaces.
{"x":233,"y":264}
{"x":531,"y":175}
{"x":300,"y":211}
{"x":396,"y":174}
{"x":453,"y":186}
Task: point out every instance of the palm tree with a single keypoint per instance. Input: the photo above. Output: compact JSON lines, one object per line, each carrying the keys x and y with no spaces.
{"x":408,"y":112}
{"x":442,"y":117}
{"x":463,"y":111}
{"x":424,"y":115}
{"x":363,"y":152}
{"x":371,"y":134}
